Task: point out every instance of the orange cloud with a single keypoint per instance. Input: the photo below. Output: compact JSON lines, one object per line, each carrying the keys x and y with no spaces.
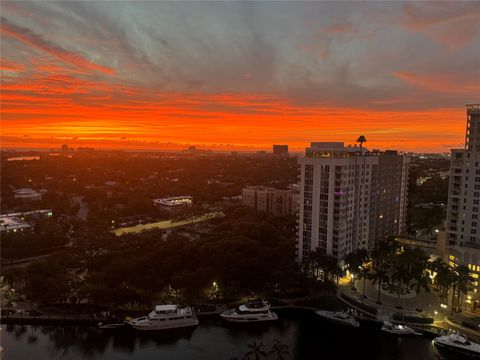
{"x":245,"y":120}
{"x":37,"y":42}
{"x":10,"y":65}
{"x":439,"y":82}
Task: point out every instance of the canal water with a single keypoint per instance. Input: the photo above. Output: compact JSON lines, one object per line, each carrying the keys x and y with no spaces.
{"x":306,"y":335}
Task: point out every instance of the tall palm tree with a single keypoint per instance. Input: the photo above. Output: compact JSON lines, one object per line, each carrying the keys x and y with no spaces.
{"x":364,"y":273}
{"x":379,"y":274}
{"x":354,"y":261}
{"x":419,"y":275}
{"x":464,"y":282}
{"x":256,"y":351}
{"x":279,"y":349}
{"x":401,"y":270}
{"x":445,"y":277}
{"x":361,"y":139}
{"x":382,"y":256}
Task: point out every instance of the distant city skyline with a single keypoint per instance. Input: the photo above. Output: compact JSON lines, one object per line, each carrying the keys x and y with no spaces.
{"x":238,"y":75}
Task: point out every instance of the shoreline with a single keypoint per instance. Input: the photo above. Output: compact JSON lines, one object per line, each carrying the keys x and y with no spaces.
{"x":93,"y":321}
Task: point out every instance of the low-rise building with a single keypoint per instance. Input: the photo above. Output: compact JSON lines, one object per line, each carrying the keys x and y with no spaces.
{"x":21,"y":221}
{"x":170,"y":203}
{"x":27,"y":194}
{"x":270,"y":200}
{"x":8,"y":223}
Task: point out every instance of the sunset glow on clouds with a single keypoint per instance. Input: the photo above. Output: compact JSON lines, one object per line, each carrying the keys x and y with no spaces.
{"x":237,"y":75}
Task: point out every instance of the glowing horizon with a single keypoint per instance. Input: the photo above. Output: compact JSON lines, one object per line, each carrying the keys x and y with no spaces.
{"x":237,"y":76}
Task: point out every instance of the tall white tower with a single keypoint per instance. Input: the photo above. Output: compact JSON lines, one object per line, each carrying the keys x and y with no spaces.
{"x":464,"y":187}
{"x":349,"y":198}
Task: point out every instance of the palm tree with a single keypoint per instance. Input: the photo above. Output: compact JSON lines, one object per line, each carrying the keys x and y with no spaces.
{"x":379,"y":275}
{"x":364,"y":273}
{"x":445,"y":277}
{"x":401,"y":270}
{"x":381,"y":256}
{"x":325,"y":263}
{"x":256,"y":351}
{"x":464,"y":282}
{"x":279,"y":349}
{"x":361,"y":139}
{"x":354,"y":261}
{"x":419,"y":275}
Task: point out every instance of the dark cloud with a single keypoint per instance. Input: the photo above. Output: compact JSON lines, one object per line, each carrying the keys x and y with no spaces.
{"x":340,"y":54}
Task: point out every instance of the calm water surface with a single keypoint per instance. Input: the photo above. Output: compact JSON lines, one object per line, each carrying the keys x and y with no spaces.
{"x":307,"y":336}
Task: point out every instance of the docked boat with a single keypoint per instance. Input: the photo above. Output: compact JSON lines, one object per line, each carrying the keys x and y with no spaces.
{"x":166,"y":317}
{"x":398,"y":329}
{"x":252,"y":311}
{"x":456,"y":346}
{"x":339,"y":317}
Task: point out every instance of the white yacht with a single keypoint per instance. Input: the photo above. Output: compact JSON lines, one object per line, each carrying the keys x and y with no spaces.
{"x":398,"y":329}
{"x":456,"y":346}
{"x":339,"y":317}
{"x":166,"y":317}
{"x":252,"y":311}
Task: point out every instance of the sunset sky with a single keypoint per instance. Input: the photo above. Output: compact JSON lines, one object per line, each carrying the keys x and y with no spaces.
{"x":237,"y":75}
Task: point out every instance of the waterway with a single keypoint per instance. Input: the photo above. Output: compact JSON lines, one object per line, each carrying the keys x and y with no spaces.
{"x":306,"y":335}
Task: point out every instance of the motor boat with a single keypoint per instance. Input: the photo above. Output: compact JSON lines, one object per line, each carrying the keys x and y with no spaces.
{"x":339,"y":317}
{"x":454,"y":345}
{"x":166,"y":317}
{"x":398,"y":329}
{"x":252,"y":311}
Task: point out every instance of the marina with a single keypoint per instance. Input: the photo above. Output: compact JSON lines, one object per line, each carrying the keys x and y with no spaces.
{"x":307,"y":336}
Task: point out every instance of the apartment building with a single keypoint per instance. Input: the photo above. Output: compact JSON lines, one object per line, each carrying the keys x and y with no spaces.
{"x":270,"y":200}
{"x":349,"y":198}
{"x":463,"y":223}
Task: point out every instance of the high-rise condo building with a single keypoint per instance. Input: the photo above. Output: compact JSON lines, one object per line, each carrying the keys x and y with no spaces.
{"x":462,"y":227}
{"x":349,"y":198}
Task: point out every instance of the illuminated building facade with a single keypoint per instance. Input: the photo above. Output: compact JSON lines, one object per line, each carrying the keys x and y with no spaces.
{"x":463,"y":230}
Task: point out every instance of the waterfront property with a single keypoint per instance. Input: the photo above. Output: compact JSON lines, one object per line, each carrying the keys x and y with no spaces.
{"x":462,"y":241}
{"x":350,"y":198}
